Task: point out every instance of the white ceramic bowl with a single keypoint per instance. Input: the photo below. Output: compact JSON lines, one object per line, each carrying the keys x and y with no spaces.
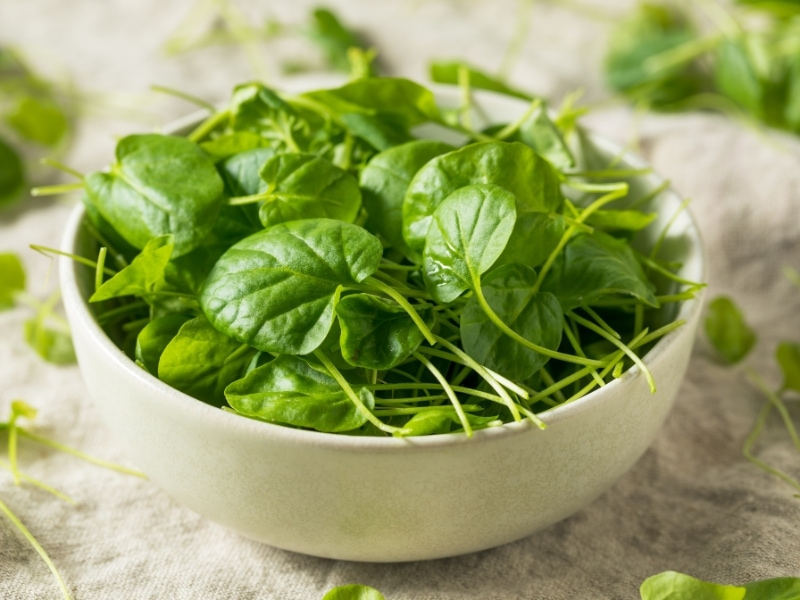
{"x":387,"y":499}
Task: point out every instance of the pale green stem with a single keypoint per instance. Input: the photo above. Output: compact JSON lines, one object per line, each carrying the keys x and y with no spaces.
{"x":80,"y":259}
{"x":512,"y":128}
{"x":50,"y":162}
{"x":40,"y":484}
{"x":777,"y":403}
{"x":78,"y":454}
{"x":208,"y":126}
{"x":437,"y":374}
{"x":752,"y":437}
{"x":619,"y":344}
{"x":397,"y":297}
{"x":348,"y":390}
{"x":55,"y":190}
{"x":98,"y":272}
{"x":183,"y":96}
{"x":37,"y":546}
{"x":579,"y":351}
{"x":599,"y":320}
{"x":578,"y":360}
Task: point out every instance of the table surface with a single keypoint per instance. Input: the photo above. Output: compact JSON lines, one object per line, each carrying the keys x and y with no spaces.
{"x":691,"y":504}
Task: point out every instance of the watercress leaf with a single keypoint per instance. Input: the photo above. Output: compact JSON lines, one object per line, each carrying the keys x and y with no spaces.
{"x":230,"y":144}
{"x":468,"y":232}
{"x":652,"y":30}
{"x":38,"y":120}
{"x":289,"y":391}
{"x":254,"y":108}
{"x":53,"y":345}
{"x":670,"y":585}
{"x":447,"y":72}
{"x":788,"y":356}
{"x":160,"y":185}
{"x":430,"y":422}
{"x":304,"y":186}
{"x":276,"y":290}
{"x":540,"y":133}
{"x":513,"y":166}
{"x":593,"y":265}
{"x":384,"y":182}
{"x":143,"y":275}
{"x":377,"y":333}
{"x":154,"y":338}
{"x":400,"y":98}
{"x":729,"y":334}
{"x":241,"y":171}
{"x":381,"y":132}
{"x":627,"y":220}
{"x":12,"y":174}
{"x":20,"y":408}
{"x":535,"y":237}
{"x":12,"y":279}
{"x":792,"y":104}
{"x":353,"y":592}
{"x":781,"y":588}
{"x":201,"y":361}
{"x":736,"y":77}
{"x":536,"y":316}
{"x":333,"y":38}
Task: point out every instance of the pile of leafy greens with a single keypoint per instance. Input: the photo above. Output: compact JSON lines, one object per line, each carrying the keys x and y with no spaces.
{"x":315,"y":261}
{"x":746,"y":64}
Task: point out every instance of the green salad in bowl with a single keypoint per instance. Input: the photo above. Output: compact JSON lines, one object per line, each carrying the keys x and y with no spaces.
{"x":380,"y":272}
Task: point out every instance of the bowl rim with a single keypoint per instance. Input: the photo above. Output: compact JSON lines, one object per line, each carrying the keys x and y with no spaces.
{"x":78,"y":311}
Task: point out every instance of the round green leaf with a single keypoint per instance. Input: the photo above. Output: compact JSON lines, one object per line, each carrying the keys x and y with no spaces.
{"x":512,"y":166}
{"x":536,"y":316}
{"x":377,"y":333}
{"x":469,"y":231}
{"x":12,"y":174}
{"x":154,"y":338}
{"x":159,"y":185}
{"x":304,"y":186}
{"x":276,"y":290}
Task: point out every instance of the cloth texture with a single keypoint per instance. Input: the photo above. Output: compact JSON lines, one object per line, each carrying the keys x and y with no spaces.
{"x":691,"y":504}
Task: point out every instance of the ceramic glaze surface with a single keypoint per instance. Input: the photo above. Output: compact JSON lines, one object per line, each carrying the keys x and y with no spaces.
{"x":384,"y":499}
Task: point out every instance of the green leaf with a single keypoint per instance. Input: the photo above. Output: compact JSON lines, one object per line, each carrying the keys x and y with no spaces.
{"x":53,"y":345}
{"x":154,"y":338}
{"x":652,"y":30}
{"x":535,"y":237}
{"x":142,"y":276}
{"x":276,"y":290}
{"x":781,"y":588}
{"x":160,"y":185}
{"x":40,"y":121}
{"x":384,"y":182}
{"x":591,"y":266}
{"x":377,"y":333}
{"x":626,"y":220}
{"x":201,"y":362}
{"x":12,"y":174}
{"x":536,"y":316}
{"x":430,"y":422}
{"x":401,"y":98}
{"x":381,"y":132}
{"x":228,"y":145}
{"x":540,"y":133}
{"x":792,"y":105}
{"x":241,"y":172}
{"x":289,"y":391}
{"x":333,"y":38}
{"x":736,"y":77}
{"x":788,"y":356}
{"x":353,"y":592}
{"x":258,"y":109}
{"x":512,"y":166}
{"x":676,"y":586}
{"x":12,"y":279}
{"x":304,"y":186}
{"x":469,"y":231}
{"x":727,"y":330}
{"x":447,"y":72}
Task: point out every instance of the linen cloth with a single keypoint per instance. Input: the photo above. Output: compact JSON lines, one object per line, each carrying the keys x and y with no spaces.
{"x":691,"y":504}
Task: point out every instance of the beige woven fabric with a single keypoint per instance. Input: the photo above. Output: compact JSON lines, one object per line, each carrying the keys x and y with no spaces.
{"x":691,"y":504}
